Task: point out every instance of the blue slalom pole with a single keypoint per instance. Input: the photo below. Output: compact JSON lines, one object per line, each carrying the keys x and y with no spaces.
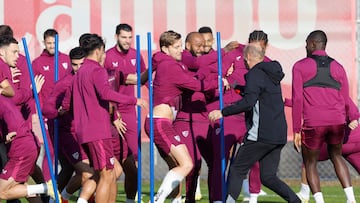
{"x":138,"y":73}
{"x":149,"y":41}
{"x":222,"y":142}
{"x":43,"y":132}
{"x":56,"y":122}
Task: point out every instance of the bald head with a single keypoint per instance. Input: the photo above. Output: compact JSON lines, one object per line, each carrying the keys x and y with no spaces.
{"x":316,"y":40}
{"x":254,"y":54}
{"x":195,"y":42}
{"x":318,"y":35}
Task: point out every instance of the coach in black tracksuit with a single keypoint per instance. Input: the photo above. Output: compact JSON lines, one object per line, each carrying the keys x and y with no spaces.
{"x":267,"y":130}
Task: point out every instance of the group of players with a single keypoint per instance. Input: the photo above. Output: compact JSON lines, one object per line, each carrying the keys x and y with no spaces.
{"x":94,"y":103}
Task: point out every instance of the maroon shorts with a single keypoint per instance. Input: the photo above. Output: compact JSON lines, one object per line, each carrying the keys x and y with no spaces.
{"x":100,"y":153}
{"x":71,"y":149}
{"x":22,"y":156}
{"x":164,"y":134}
{"x":314,"y":137}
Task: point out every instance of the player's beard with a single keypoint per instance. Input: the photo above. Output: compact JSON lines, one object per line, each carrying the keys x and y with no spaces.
{"x":122,"y":49}
{"x":194,"y":54}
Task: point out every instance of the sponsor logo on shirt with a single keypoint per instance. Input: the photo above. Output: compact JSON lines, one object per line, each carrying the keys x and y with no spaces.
{"x":4,"y":171}
{"x":115,"y":63}
{"x":185,"y":133}
{"x":177,"y":138}
{"x":76,"y":155}
{"x":112,"y":160}
{"x":46,"y":68}
{"x":65,"y":65}
{"x":133,"y":62}
{"x":238,"y":58}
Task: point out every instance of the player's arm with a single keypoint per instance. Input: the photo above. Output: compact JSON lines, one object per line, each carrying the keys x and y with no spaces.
{"x":6,"y":89}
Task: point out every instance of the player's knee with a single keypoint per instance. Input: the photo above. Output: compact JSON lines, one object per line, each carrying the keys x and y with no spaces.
{"x":187,"y":167}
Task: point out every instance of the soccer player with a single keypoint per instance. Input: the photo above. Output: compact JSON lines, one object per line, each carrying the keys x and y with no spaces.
{"x":206,"y":32}
{"x":91,"y":96}
{"x":192,"y":120}
{"x":19,"y":80}
{"x":45,"y":65}
{"x":171,"y":80}
{"x":189,"y":120}
{"x":23,"y":149}
{"x":265,"y":117}
{"x":72,"y":155}
{"x":122,"y":58}
{"x":320,"y":96}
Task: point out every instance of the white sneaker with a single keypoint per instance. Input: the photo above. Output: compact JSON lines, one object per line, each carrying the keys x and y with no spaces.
{"x":303,"y":199}
{"x":198,"y":196}
{"x":246,"y":199}
{"x":262,"y":193}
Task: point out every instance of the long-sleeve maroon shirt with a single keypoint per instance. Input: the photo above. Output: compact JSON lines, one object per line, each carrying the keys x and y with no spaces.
{"x":91,"y":96}
{"x":318,"y":106}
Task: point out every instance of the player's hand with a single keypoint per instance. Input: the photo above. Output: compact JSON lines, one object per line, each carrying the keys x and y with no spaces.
{"x":230,"y":70}
{"x":215,"y":115}
{"x":142,"y":103}
{"x":39,"y":81}
{"x":120,"y":126}
{"x":15,"y":73}
{"x":231,"y":46}
{"x":297,"y":142}
{"x":9,"y":137}
{"x":226,"y":83}
{"x":353,"y":124}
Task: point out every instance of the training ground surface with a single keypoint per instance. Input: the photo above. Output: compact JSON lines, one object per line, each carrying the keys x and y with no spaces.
{"x":333,"y":193}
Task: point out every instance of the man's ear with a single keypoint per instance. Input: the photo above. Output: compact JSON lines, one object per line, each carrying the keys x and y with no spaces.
{"x":187,"y":45}
{"x":2,"y":51}
{"x":97,"y":52}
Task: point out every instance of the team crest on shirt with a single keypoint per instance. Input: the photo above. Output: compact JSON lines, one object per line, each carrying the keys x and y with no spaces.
{"x":133,"y":62}
{"x":185,"y":133}
{"x":238,"y":58}
{"x":76,"y":155}
{"x":112,"y":160}
{"x":115,"y":64}
{"x":65,"y":65}
{"x":217,"y":131}
{"x":4,"y":171}
{"x":46,"y":68}
{"x":177,"y":138}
